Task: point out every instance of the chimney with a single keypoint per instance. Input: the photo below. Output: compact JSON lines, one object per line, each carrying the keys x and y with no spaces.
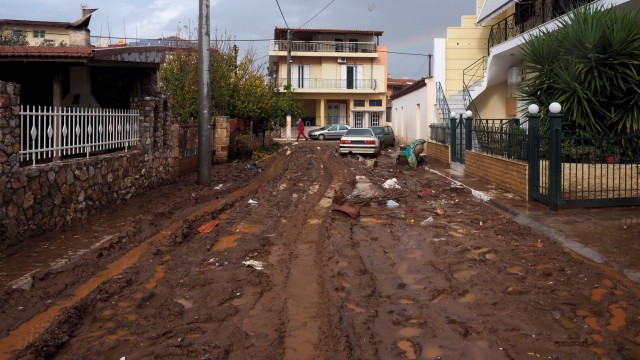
{"x":86,"y":10}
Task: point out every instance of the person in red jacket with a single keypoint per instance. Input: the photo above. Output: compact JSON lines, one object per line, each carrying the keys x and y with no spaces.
{"x":301,"y":130}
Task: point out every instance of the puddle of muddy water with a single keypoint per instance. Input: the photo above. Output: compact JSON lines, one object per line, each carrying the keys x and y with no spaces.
{"x":619,"y":316}
{"x":226,"y":242}
{"x":432,"y":352}
{"x":407,"y":347}
{"x":469,"y":298}
{"x":597,"y":293}
{"x":409,"y":332}
{"x":247,"y":229}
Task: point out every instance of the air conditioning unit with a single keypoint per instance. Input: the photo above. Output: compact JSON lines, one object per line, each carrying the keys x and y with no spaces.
{"x":515,"y":75}
{"x":342,"y":60}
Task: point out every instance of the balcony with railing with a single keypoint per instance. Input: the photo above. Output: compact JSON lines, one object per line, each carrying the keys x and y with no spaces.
{"x":315,"y":84}
{"x":528,"y":15}
{"x":362,"y":49}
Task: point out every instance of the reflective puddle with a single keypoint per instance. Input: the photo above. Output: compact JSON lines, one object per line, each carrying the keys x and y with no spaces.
{"x":469,"y":298}
{"x":597,"y":293}
{"x":409,"y":332}
{"x":407,"y":347}
{"x":226,"y":242}
{"x":432,"y":353}
{"x":160,"y":272}
{"x":619,"y":316}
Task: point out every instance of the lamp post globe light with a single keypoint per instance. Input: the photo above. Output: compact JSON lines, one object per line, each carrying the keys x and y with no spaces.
{"x":468,"y":114}
{"x":453,"y":115}
{"x":555,"y":108}
{"x":533,"y":109}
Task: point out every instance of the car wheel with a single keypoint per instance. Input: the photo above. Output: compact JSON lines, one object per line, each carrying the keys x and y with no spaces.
{"x":321,"y":137}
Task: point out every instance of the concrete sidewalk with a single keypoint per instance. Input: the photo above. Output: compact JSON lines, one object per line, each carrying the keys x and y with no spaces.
{"x":609,"y":236}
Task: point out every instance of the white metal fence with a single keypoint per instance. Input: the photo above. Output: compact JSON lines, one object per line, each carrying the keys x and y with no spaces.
{"x":52,"y":132}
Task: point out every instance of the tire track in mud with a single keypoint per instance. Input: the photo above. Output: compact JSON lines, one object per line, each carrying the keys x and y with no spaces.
{"x":27,"y":332}
{"x":294,"y":258}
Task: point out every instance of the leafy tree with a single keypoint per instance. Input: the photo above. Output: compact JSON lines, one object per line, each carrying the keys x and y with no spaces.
{"x":590,"y":65}
{"x":13,"y":38}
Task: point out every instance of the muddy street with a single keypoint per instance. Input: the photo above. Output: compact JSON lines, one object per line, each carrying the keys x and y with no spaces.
{"x":267,"y":267}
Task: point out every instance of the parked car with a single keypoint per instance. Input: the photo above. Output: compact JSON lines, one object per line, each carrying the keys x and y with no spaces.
{"x":334,"y":131}
{"x":385,"y":135}
{"x":359,"y":141}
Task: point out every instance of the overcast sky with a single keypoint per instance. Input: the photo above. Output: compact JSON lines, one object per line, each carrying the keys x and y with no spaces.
{"x":409,"y":25}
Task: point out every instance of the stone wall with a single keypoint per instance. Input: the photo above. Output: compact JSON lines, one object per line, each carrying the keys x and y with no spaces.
{"x":509,"y":175}
{"x":437,"y":151}
{"x":45,"y":197}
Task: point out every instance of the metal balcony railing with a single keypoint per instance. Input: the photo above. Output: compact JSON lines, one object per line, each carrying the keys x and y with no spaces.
{"x":330,"y":84}
{"x":324,"y":46}
{"x":528,"y":15}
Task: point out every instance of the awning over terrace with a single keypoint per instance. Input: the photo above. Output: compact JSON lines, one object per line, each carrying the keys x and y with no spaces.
{"x":492,"y":8}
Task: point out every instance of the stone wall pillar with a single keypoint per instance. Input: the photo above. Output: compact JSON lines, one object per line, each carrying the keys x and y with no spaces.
{"x":221,"y":139}
{"x":9,"y":126}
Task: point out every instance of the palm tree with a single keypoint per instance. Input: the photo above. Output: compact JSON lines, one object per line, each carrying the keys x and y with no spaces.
{"x":590,"y":65}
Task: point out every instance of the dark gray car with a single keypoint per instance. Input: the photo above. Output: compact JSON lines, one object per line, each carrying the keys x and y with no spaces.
{"x":334,"y":131}
{"x":385,"y":135}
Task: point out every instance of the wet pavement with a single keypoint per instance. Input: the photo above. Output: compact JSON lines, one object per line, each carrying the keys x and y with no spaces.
{"x":607,"y":236}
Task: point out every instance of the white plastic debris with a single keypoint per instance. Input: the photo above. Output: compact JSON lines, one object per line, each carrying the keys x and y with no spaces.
{"x":480,"y":195}
{"x":252,"y":202}
{"x":392,"y":204}
{"x":426,"y":222}
{"x":391,"y":184}
{"x":254,"y":264}
{"x":218,"y":187}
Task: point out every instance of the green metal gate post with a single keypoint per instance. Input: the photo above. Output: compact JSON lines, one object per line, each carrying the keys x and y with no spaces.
{"x":534,"y":150}
{"x":555,"y":158}
{"x":452,"y":136}
{"x":468,"y":118}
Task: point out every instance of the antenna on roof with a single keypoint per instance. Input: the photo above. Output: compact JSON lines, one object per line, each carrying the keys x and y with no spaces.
{"x":371,"y":7}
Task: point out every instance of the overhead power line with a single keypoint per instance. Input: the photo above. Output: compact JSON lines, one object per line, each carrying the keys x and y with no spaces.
{"x":281,"y":13}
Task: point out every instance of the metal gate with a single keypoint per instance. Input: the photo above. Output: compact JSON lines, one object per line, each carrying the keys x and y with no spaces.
{"x":458,"y":141}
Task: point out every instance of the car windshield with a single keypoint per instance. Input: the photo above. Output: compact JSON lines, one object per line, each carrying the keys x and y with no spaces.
{"x":378,"y":130}
{"x":359,"y":132}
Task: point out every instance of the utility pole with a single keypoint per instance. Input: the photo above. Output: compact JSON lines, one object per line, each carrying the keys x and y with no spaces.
{"x":288,"y":131}
{"x":204,"y":95}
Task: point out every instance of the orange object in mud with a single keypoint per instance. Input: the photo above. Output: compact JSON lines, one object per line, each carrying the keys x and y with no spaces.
{"x":208,"y":226}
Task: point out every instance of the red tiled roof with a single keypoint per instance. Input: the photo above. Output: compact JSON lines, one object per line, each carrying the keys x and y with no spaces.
{"x":403,"y":82}
{"x":422,"y":82}
{"x":57,"y":52}
{"x":332,"y":31}
{"x":34,"y":23}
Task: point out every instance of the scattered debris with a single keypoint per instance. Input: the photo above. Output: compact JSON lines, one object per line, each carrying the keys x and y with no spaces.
{"x":372,"y":163}
{"x":218,"y":187}
{"x":426,"y":222}
{"x":425,"y":192}
{"x":252,"y":202}
{"x":391,"y":184}
{"x":392,"y":204}
{"x":248,"y":166}
{"x":349,"y":210}
{"x":480,"y":195}
{"x":208,"y":226}
{"x":254,"y":264}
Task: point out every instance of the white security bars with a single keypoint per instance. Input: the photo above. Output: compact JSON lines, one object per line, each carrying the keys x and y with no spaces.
{"x":52,"y":132}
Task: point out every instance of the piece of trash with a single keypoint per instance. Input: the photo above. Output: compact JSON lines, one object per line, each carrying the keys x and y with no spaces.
{"x":248,"y":166}
{"x":426,"y":192}
{"x":252,"y":202}
{"x":372,"y":163}
{"x":360,"y":158}
{"x":208,"y":226}
{"x":440,"y":211}
{"x":391,"y":184}
{"x":349,"y":210}
{"x":426,"y":221}
{"x":480,"y":195}
{"x":212,"y":261}
{"x":288,"y":152}
{"x":254,"y":264}
{"x":259,"y":190}
{"x":218,"y":187}
{"x":392,"y":204}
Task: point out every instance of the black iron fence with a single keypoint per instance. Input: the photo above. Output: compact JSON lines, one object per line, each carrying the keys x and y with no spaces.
{"x":565,"y":170}
{"x":529,"y":15}
{"x":501,"y":137}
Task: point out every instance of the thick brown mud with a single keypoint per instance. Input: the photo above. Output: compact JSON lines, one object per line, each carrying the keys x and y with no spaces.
{"x":274,"y":273}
